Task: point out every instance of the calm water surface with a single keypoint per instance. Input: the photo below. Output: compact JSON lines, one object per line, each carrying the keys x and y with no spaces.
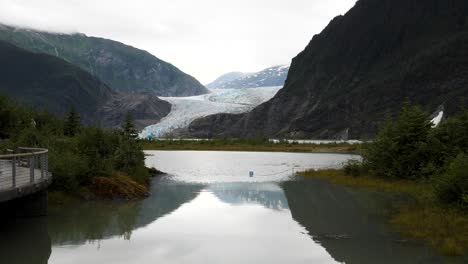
{"x":208,"y":210}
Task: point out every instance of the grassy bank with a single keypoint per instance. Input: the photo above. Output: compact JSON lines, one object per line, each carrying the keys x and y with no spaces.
{"x":423,"y":218}
{"x":247,"y":145}
{"x":118,"y":186}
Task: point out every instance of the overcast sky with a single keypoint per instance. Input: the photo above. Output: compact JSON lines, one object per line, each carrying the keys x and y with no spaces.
{"x":204,"y":38}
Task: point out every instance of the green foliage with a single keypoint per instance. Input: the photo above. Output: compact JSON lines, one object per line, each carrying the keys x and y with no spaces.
{"x":12,"y":118}
{"x":408,"y":148}
{"x":30,"y":137}
{"x":72,"y":123}
{"x":97,"y":147}
{"x":354,"y":168}
{"x":84,"y":154}
{"x":451,"y":137}
{"x":401,"y":147}
{"x":69,"y":170}
{"x":452,"y":186}
{"x":128,"y":126}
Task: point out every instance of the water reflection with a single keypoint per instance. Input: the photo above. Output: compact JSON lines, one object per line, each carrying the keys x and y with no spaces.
{"x":91,"y":221}
{"x":351,"y":225}
{"x":227,"y":219}
{"x":224,"y":223}
{"x":270,"y":195}
{"x":24,"y":241}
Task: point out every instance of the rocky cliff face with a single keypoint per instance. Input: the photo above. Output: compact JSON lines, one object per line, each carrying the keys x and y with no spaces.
{"x":47,"y":82}
{"x":122,"y":67}
{"x":361,"y":68}
{"x":146,"y":109}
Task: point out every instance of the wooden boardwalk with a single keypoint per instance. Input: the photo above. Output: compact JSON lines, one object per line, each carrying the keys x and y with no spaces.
{"x":23,"y":173}
{"x":24,"y":177}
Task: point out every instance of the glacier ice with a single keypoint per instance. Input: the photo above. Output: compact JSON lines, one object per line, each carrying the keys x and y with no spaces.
{"x":187,"y":109}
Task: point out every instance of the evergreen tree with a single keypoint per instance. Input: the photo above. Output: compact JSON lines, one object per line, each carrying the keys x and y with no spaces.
{"x":72,"y":123}
{"x":128,"y":126}
{"x":401,"y":148}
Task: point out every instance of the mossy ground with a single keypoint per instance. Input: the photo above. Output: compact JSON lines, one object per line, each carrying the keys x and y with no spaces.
{"x":119,"y":186}
{"x":422,"y":218}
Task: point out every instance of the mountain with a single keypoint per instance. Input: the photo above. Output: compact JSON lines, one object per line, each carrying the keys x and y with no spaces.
{"x":47,"y":82}
{"x":273,"y":76}
{"x":360,"y":69}
{"x":121,"y":67}
{"x":225,"y":78}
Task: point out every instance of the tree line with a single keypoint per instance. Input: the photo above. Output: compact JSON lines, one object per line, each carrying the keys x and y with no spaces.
{"x":78,"y":153}
{"x":411,"y":147}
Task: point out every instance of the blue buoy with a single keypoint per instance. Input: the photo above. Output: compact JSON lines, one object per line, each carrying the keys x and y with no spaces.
{"x":251,"y":173}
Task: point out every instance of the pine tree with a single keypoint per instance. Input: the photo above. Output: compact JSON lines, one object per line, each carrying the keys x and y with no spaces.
{"x":128,"y":126}
{"x":72,"y":123}
{"x":401,"y":148}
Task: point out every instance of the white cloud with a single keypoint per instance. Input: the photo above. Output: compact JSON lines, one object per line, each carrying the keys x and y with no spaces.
{"x":205,"y":38}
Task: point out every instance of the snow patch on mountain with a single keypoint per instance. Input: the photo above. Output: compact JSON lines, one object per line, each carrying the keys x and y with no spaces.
{"x":273,"y":76}
{"x":187,"y":109}
{"x":225,"y":78}
{"x":437,"y":119}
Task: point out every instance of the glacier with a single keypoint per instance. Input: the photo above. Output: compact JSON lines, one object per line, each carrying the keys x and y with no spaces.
{"x":187,"y":109}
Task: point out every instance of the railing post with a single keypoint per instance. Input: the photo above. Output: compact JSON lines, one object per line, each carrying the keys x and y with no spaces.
{"x":41,"y":161}
{"x":31,"y":169}
{"x":47,"y":164}
{"x":13,"y":171}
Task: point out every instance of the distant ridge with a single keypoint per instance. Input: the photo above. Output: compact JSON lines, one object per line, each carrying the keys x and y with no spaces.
{"x":225,"y":78}
{"x":121,"y":67}
{"x":50,"y":83}
{"x":273,"y":76}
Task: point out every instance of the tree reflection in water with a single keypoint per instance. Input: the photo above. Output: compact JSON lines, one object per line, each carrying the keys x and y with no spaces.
{"x":352,"y":224}
{"x":24,"y":241}
{"x":94,"y":221}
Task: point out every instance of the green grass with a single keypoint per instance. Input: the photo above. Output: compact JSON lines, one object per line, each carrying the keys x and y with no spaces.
{"x":423,"y":218}
{"x":247,"y":145}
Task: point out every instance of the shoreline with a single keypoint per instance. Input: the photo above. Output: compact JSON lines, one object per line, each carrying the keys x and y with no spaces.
{"x":420,"y":218}
{"x":116,"y":188}
{"x":251,"y":146}
{"x":265,"y":151}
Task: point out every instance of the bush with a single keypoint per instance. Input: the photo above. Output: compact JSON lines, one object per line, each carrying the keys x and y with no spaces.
{"x":401,"y":148}
{"x":129,"y":158}
{"x":451,"y":138}
{"x":77,"y":153}
{"x":98,"y":147}
{"x":69,"y":170}
{"x":452,"y":186}
{"x":354,"y":168}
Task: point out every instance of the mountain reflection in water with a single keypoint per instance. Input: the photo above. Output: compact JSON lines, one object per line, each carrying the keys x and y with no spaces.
{"x":202,"y":218}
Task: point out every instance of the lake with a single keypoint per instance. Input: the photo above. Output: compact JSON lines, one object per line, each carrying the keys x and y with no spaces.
{"x":207,"y":209}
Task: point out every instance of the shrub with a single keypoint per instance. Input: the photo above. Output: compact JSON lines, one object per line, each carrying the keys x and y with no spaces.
{"x":69,"y":170}
{"x":452,"y":186}
{"x":451,"y":137}
{"x":30,"y":137}
{"x":353,"y":168}
{"x":98,"y":147}
{"x":401,"y":148}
